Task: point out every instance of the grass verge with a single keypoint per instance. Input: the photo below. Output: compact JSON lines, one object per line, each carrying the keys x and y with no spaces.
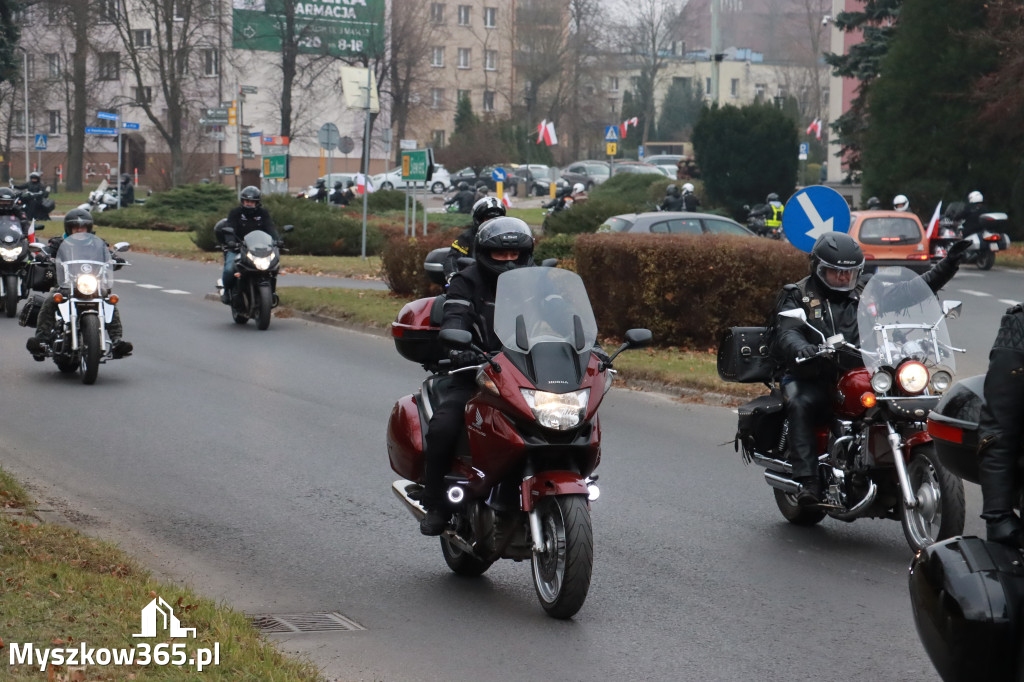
{"x":60,"y":589}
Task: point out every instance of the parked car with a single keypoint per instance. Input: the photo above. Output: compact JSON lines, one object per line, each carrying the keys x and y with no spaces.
{"x":639,"y":167}
{"x":590,"y":173}
{"x":329,"y":181}
{"x":666,"y":162}
{"x":439,"y":181}
{"x":671,"y":222}
{"x":469,"y":175}
{"x":891,"y":238}
{"x":538,"y":178}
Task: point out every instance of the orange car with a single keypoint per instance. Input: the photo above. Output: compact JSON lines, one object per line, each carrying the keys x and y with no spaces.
{"x":891,"y":238}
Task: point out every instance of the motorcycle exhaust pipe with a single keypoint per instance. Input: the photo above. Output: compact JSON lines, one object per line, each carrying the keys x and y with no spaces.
{"x":401,"y":490}
{"x":786,"y":485}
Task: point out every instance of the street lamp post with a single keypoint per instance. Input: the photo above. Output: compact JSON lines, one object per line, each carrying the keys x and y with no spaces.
{"x":25,"y":64}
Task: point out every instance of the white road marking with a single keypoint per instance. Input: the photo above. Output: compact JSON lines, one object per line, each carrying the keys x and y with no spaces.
{"x":125,"y":281}
{"x":1008,"y":301}
{"x":149,"y":286}
{"x":174,"y":291}
{"x":972,"y":292}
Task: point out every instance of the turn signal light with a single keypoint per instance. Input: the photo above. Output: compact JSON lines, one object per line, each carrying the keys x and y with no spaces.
{"x":868,"y":399}
{"x":58,"y":298}
{"x":113,"y":298}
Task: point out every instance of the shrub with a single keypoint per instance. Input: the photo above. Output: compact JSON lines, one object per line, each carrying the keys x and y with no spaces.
{"x":402,"y":263}
{"x":180,"y":209}
{"x":684,"y":289}
{"x":586,"y":216}
{"x":559,"y":246}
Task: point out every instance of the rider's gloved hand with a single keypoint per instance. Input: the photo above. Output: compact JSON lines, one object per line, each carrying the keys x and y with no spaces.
{"x":464,"y":358}
{"x":807,"y":352}
{"x":957,"y":250}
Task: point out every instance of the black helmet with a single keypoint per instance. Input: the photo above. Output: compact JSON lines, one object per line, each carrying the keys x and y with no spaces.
{"x":125,"y":178}
{"x":837,"y":261}
{"x":337,"y":185}
{"x":320,"y":182}
{"x":772,"y":197}
{"x":251,"y":194}
{"x":874,"y":204}
{"x":7,"y":199}
{"x":350,"y":184}
{"x":35,"y":175}
{"x":672,"y":191}
{"x":77,"y":217}
{"x":463,"y":185}
{"x":503,"y":234}
{"x":487,"y":208}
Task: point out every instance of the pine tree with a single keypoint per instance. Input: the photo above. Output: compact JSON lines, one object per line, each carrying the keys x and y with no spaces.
{"x":680,"y":110}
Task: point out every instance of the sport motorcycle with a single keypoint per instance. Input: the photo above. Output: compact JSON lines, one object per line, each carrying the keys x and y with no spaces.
{"x":523,"y":475}
{"x":15,"y":257}
{"x":877,"y":459}
{"x":256,"y":268}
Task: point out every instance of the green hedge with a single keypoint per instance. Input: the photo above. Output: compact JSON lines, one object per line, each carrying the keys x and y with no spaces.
{"x":686,"y":290}
{"x":559,"y":246}
{"x":181,"y":209}
{"x":623,"y":193}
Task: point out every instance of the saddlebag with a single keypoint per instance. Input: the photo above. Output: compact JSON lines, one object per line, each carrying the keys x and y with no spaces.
{"x":760,"y":425}
{"x":41,"y":276}
{"x":416,"y":331}
{"x":30,"y":311}
{"x":966,"y":595}
{"x":744,"y":357}
{"x":953,"y":426}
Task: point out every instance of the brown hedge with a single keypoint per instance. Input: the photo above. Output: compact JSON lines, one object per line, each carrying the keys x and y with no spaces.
{"x":684,"y":289}
{"x":402,"y":262}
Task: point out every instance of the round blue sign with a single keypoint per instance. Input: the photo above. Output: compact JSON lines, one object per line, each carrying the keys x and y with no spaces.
{"x":498,"y":175}
{"x":812,"y":212}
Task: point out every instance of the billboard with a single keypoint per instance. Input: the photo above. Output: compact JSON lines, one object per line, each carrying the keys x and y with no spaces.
{"x":340,"y":28}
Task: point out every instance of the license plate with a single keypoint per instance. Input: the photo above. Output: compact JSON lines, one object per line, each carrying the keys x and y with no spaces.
{"x":994,"y":246}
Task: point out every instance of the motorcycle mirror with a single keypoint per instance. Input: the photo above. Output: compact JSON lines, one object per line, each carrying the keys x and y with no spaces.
{"x":639,"y":338}
{"x":122,"y":246}
{"x":40,"y":228}
{"x":288,"y":228}
{"x":459,"y":339}
{"x":951,"y":309}
{"x":549,"y":262}
{"x":795,"y":313}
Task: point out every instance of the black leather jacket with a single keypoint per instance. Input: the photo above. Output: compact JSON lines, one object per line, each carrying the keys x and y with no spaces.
{"x":1002,"y":419}
{"x":246,"y":220}
{"x":470,"y":306}
{"x":971,"y":215}
{"x":460,"y":248}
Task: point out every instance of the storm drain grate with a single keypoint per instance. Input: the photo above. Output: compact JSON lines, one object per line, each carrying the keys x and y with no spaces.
{"x":303,"y":622}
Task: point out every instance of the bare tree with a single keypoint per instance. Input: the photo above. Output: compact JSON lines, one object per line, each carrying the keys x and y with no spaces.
{"x":411,"y":38}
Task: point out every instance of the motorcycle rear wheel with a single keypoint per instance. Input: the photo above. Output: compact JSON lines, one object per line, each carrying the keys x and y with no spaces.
{"x":463,"y":563}
{"x":10,"y":295}
{"x":940,"y":512}
{"x":91,"y":348}
{"x":561,"y":573}
{"x":986,"y":259}
{"x":797,"y":514}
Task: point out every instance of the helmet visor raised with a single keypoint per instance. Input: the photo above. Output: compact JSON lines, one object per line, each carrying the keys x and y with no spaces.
{"x":839,"y":278}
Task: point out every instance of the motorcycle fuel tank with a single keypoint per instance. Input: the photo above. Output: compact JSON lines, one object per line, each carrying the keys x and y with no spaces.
{"x":851,"y":387}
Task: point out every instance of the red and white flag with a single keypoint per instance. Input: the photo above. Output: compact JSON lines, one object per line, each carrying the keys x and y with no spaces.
{"x":815,"y":128}
{"x":624,"y":126}
{"x":546,"y":133}
{"x":363,"y":184}
{"x":31,"y":232}
{"x":934,"y":222}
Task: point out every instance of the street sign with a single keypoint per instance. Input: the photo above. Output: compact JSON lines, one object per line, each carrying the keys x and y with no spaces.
{"x":106,"y":116}
{"x":218,"y":112}
{"x":275,"y":167}
{"x":100,"y":131}
{"x":258,"y":133}
{"x":407,"y":144}
{"x":812,"y":212}
{"x":130,"y":126}
{"x":275,"y":139}
{"x":804,"y":149}
{"x":346,"y":144}
{"x":248,"y":155}
{"x":640,"y":152}
{"x":417,"y":166}
{"x":216,"y":135}
{"x":249,"y":89}
{"x":499,"y":175}
{"x":40,"y":142}
{"x":611,"y":134}
{"x":611,"y":148}
{"x":328,"y":136}
{"x":227,"y":170}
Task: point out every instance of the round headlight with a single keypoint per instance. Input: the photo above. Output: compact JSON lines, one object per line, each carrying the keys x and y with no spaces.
{"x":941,"y":381}
{"x":87,"y":284}
{"x":912,"y":377}
{"x":881,"y":382}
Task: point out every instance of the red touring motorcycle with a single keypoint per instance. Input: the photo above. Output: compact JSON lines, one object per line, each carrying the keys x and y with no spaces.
{"x":967,"y":593}
{"x":877,"y":459}
{"x":523,"y":474}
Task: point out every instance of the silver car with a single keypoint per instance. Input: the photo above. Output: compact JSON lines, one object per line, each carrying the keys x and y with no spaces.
{"x":670,"y":222}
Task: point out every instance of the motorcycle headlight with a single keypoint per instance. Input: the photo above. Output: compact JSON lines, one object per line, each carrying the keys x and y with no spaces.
{"x":261,"y":263}
{"x":11,"y":255}
{"x":912,"y":377}
{"x":559,"y":411}
{"x":941,"y":381}
{"x":87,"y":284}
{"x":881,"y":382}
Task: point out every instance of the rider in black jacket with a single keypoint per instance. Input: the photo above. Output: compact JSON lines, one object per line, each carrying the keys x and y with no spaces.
{"x":502,"y":244}
{"x":243,"y":219}
{"x":465,"y":198}
{"x":483,"y":210}
{"x":1002,"y":430}
{"x":971,"y":213}
{"x":829,"y":298}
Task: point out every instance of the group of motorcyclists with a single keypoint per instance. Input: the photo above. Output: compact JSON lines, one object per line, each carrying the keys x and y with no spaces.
{"x":341,"y":195}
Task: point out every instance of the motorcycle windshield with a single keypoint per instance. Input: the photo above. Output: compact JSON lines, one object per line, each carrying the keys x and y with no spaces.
{"x":259,"y":243}
{"x":543,"y":305}
{"x":10,"y":231}
{"x":900,"y":318}
{"x":83,"y":254}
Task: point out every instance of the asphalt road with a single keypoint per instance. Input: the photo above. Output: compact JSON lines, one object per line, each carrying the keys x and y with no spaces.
{"x":252,"y":465}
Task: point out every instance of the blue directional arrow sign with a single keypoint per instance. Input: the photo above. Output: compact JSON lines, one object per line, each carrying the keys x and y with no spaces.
{"x":130,"y":126}
{"x":106,"y":116}
{"x":611,"y":134}
{"x":40,"y":142}
{"x":812,"y":212}
{"x":100,"y":131}
{"x":498,"y":175}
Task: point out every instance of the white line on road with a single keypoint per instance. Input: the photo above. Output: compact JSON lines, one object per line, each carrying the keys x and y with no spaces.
{"x":174,"y":291}
{"x":972,"y":292}
{"x":149,"y":286}
{"x":1008,"y":301}
{"x":125,"y":281}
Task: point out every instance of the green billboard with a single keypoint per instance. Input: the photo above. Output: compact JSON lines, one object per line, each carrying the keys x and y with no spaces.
{"x":340,"y":28}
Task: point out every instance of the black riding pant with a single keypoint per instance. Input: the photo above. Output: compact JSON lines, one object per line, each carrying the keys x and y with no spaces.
{"x":443,"y":435}
{"x":808,"y":407}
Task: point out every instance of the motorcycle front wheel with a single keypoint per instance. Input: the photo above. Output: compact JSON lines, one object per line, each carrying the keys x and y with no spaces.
{"x":265,"y":303}
{"x":561,"y":573}
{"x":940,"y":513}
{"x":10,"y":295}
{"x":91,"y":348}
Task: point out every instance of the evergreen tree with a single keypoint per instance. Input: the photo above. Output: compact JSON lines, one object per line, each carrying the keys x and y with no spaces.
{"x":745,"y":153}
{"x":465,"y":118}
{"x":632,"y":105}
{"x":680,"y":110}
{"x":9,"y":36}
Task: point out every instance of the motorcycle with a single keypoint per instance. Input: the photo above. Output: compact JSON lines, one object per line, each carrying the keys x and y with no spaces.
{"x":85,"y":304}
{"x":523,"y":475}
{"x":256,"y":268}
{"x":758,"y":224}
{"x":101,"y":199}
{"x":36,"y":203}
{"x":15,"y":258}
{"x":877,"y":460}
{"x":984,"y":244}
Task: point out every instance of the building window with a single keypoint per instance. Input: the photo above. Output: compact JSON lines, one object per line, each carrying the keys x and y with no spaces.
{"x":490,"y":17}
{"x":179,"y":13}
{"x":22,"y":17}
{"x":53,"y":65}
{"x":759,"y":90}
{"x":54,"y":116}
{"x":782,"y":92}
{"x":110,"y":63}
{"x":464,"y":54}
{"x":106,"y":11}
{"x":707,"y":85}
{"x":143,"y":95}
{"x":613,"y":83}
{"x":463,"y":15}
{"x":734,"y":87}
{"x":462,"y":94}
{"x":437,"y":13}
{"x":52,"y":13}
{"x":489,"y":100}
{"x":211,"y":62}
{"x":437,"y":56}
{"x":436,"y":98}
{"x":19,"y":122}
{"x":142,"y":37}
{"x":490,"y":60}
{"x":438,"y":137}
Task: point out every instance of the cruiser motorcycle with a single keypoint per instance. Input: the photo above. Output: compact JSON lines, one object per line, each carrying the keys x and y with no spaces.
{"x":523,"y":475}
{"x":877,"y":459}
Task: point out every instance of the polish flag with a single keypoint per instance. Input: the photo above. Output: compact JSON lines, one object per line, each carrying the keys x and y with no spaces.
{"x":547,"y":133}
{"x":815,"y":128}
{"x":31,"y":232}
{"x":934,"y":222}
{"x":624,"y":126}
{"x":363,"y":184}
{"x":504,"y":200}
{"x":541,"y":127}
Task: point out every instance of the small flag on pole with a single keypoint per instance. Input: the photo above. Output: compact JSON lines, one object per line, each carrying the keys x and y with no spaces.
{"x":546,"y":133}
{"x":934,"y":222}
{"x":815,"y":128}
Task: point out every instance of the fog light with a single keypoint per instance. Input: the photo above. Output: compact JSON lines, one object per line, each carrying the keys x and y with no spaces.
{"x":455,"y":494}
{"x":593,"y":492}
